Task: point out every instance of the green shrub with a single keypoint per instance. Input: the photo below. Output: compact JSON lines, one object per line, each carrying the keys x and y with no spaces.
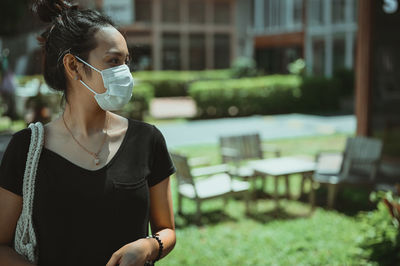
{"x":175,"y":83}
{"x":297,"y":67}
{"x":247,"y":96}
{"x":319,"y":94}
{"x":244,"y":67}
{"x":165,"y":83}
{"x":380,"y":238}
{"x":22,"y":80}
{"x":345,"y":78}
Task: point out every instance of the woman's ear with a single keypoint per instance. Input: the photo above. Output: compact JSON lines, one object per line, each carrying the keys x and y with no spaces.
{"x":71,"y":66}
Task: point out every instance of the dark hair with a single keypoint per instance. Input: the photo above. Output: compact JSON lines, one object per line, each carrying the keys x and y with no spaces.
{"x":70,"y":31}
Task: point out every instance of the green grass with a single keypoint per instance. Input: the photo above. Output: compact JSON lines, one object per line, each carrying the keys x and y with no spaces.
{"x":291,"y":235}
{"x":6,"y":124}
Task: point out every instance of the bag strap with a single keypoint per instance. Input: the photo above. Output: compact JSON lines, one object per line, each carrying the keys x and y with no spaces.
{"x":25,"y":239}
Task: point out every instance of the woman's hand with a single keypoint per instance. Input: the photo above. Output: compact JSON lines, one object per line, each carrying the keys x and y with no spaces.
{"x":131,"y":254}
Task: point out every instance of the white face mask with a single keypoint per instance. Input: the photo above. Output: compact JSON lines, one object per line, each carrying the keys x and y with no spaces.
{"x":118,"y":82}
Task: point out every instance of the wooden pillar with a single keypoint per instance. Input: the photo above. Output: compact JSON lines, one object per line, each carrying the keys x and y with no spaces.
{"x":363,"y":68}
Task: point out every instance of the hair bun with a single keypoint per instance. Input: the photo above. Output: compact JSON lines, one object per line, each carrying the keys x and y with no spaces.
{"x":47,"y":10}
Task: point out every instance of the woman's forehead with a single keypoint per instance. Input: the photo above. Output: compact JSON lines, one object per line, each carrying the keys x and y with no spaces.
{"x":110,"y":40}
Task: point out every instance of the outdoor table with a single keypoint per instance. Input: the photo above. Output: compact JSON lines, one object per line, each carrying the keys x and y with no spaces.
{"x":284,"y":167}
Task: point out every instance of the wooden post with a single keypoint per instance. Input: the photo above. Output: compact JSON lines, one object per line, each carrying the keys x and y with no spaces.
{"x":363,"y":68}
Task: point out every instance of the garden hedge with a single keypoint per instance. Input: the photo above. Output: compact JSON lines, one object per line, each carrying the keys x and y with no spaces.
{"x":176,"y":83}
{"x":240,"y":97}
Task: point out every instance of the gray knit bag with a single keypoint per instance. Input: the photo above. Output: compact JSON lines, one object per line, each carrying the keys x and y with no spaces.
{"x":25,"y":238}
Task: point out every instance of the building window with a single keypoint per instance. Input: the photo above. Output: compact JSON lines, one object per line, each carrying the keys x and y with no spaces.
{"x":197,"y":11}
{"x":141,"y":57}
{"x":222,"y":44}
{"x":273,"y":13}
{"x":222,"y":12}
{"x":276,"y":14}
{"x":197,"y":52}
{"x":170,"y":11}
{"x":276,"y":60}
{"x":354,"y":4}
{"x":143,"y":10}
{"x":338,"y":11}
{"x":298,"y":12}
{"x":316,"y":12}
{"x":267,"y":15}
{"x":171,"y":51}
{"x":318,"y":46}
{"x":339,"y":52}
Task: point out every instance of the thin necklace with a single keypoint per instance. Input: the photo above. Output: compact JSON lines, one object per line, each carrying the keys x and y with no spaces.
{"x":95,"y":155}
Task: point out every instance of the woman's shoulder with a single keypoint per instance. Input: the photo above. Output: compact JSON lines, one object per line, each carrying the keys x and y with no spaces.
{"x":142,"y":126}
{"x":22,"y":136}
{"x":146,"y":131}
{"x":19,"y":141}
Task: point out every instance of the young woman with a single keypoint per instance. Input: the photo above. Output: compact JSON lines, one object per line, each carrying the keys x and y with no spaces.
{"x":101,"y":178}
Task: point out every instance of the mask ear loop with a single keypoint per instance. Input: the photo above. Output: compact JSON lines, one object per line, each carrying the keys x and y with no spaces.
{"x":92,"y":67}
{"x":84,"y":84}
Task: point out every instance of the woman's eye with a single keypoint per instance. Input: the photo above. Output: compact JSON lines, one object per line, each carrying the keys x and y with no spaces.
{"x":114,"y":61}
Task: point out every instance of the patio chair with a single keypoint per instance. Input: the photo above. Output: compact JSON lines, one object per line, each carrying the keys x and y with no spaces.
{"x":205,"y":183}
{"x":238,"y":148}
{"x":358,"y":166}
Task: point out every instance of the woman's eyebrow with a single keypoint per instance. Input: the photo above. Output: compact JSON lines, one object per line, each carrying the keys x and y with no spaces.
{"x":117,"y":53}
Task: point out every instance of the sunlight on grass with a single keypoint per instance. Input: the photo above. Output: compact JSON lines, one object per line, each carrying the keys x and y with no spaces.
{"x":290,"y":235}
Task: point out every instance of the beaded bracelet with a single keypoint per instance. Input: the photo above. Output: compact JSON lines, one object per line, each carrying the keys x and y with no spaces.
{"x":160,"y":249}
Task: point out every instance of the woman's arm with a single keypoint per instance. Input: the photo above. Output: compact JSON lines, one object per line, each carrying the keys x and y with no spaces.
{"x":162,"y":218}
{"x":8,"y":256}
{"x":10,"y":210}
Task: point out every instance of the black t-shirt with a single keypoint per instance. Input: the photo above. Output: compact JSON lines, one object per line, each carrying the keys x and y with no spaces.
{"x":82,"y":216}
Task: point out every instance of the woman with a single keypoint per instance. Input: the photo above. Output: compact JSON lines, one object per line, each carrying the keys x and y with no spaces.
{"x":101,"y":177}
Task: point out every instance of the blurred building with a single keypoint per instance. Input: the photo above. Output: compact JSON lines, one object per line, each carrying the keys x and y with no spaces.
{"x":161,"y":34}
{"x":320,"y":31}
{"x":177,"y":34}
{"x":378,"y":79}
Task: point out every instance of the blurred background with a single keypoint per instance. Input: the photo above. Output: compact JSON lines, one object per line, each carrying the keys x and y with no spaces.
{"x":306,"y":75}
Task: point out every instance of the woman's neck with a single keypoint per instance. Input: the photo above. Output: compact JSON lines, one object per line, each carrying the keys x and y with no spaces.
{"x":85,"y":120}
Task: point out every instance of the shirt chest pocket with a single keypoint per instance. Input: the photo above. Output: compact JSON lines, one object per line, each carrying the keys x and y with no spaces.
{"x":135,"y":190}
{"x":130,"y":199}
{"x":129,"y":185}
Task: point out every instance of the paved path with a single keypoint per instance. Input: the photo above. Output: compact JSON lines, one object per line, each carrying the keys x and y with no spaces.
{"x":270,"y":127}
{"x":172,"y":107}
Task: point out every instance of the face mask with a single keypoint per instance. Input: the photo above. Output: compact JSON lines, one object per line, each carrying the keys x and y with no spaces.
{"x":118,"y":82}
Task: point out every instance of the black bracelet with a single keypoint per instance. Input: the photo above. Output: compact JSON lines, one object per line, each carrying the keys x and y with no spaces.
{"x":160,"y":248}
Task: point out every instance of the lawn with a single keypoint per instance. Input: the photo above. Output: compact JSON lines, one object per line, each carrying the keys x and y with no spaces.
{"x":291,"y":235}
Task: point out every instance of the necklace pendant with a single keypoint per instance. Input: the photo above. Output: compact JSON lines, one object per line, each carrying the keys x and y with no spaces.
{"x":96,"y":161}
